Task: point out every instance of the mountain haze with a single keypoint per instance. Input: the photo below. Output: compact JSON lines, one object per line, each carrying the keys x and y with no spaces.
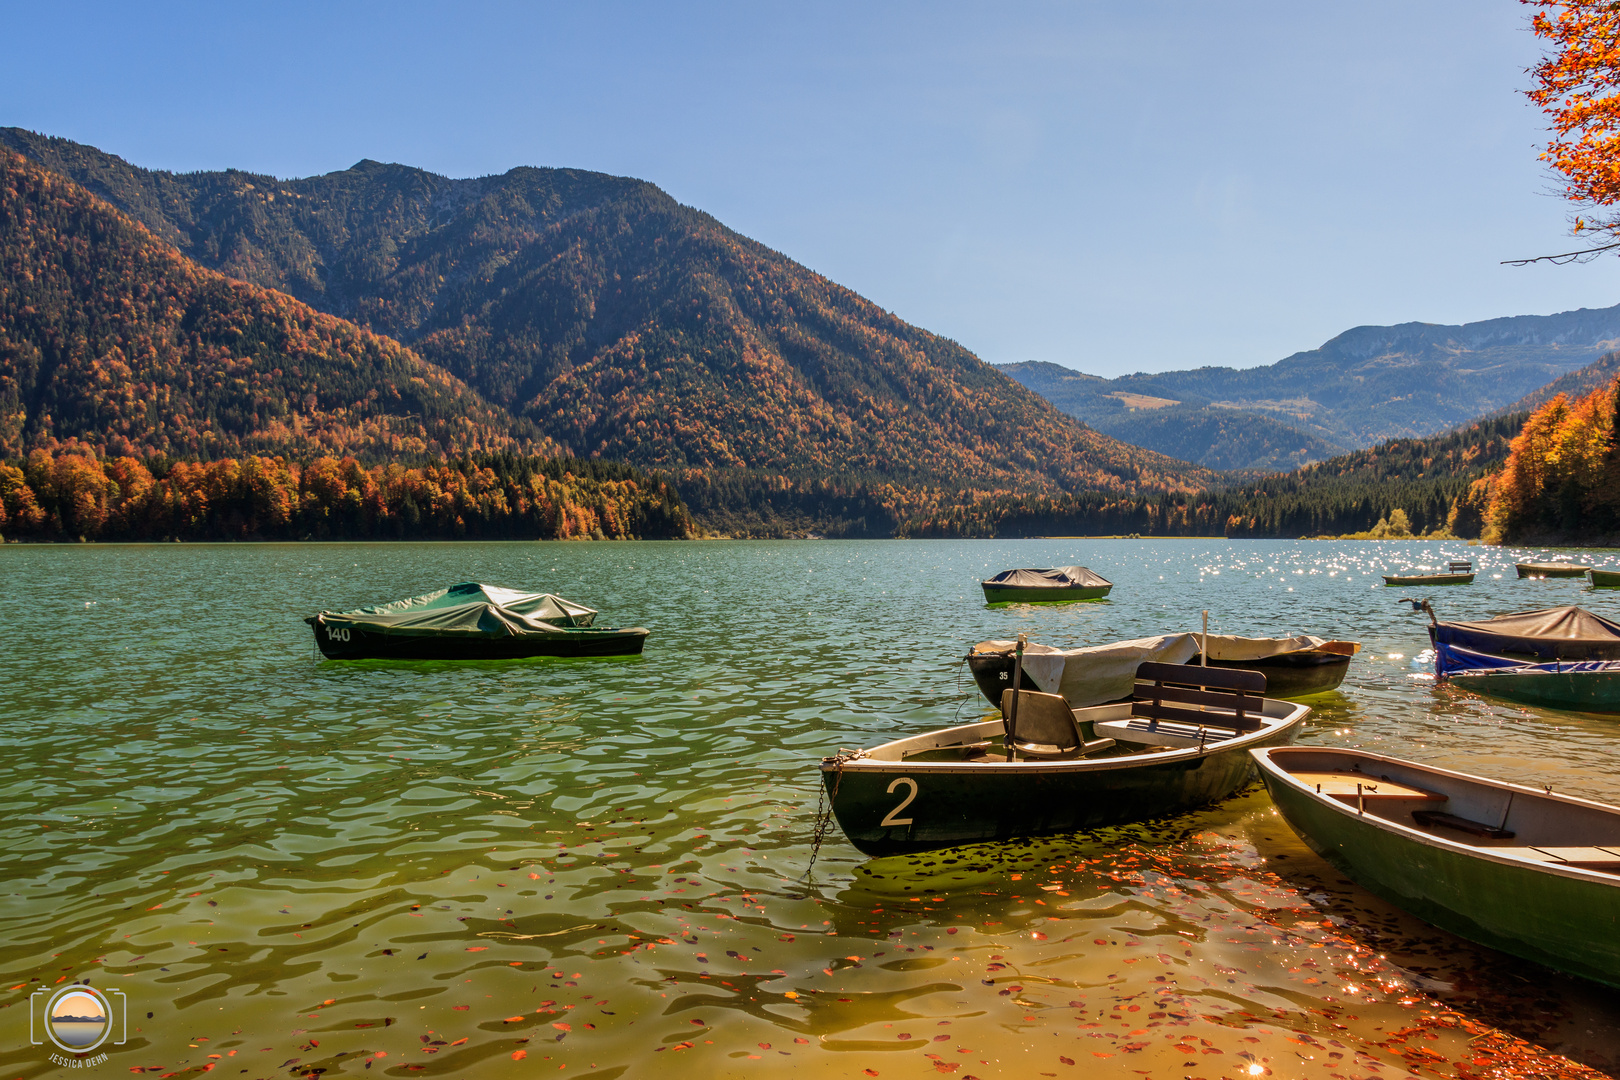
{"x":598,"y":312}
{"x":1365,"y":386}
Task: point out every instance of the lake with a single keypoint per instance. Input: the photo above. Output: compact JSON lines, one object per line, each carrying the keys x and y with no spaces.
{"x":292,"y":866}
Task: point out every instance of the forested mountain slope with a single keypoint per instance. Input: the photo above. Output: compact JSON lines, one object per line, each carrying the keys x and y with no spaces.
{"x":110,"y":337}
{"x":1365,"y":386}
{"x":623,"y":324}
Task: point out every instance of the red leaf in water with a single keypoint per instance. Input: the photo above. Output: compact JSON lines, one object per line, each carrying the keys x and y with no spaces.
{"x":870,"y":1072}
{"x":477,"y":948}
{"x":1066,"y":1061}
{"x":519,"y":1055}
{"x":562,"y":1027}
{"x":513,"y":1020}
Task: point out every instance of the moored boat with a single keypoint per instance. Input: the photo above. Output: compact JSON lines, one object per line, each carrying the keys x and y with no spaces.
{"x":1458,"y":573}
{"x":1605,"y":579}
{"x":1043,"y":768}
{"x":1528,"y":872}
{"x":1561,"y":633}
{"x":471,"y":621}
{"x":1295,"y":666}
{"x":1550,"y":569}
{"x":1045,"y":586}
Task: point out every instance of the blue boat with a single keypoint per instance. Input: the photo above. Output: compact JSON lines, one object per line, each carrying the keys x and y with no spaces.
{"x":1561,"y":658}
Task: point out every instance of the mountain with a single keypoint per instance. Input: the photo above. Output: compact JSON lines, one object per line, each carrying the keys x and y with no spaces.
{"x":1577,"y":384}
{"x":1363,"y":387}
{"x":110,"y":337}
{"x":620,"y":323}
{"x":1215,"y":437}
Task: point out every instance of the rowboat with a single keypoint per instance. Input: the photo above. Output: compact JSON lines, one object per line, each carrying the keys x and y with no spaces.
{"x":1045,"y":586}
{"x":1584,"y":686}
{"x":471,"y":621}
{"x":1561,"y":633}
{"x":1605,"y":579}
{"x":1458,"y":573}
{"x":1550,"y":569}
{"x":1042,"y":768}
{"x":1528,"y":872}
{"x":1293,"y":666}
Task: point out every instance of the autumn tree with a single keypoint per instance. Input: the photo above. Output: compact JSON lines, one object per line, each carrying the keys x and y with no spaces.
{"x":1577,"y":84}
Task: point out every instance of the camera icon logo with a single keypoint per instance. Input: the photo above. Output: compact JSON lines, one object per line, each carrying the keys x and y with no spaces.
{"x":77,"y":1018}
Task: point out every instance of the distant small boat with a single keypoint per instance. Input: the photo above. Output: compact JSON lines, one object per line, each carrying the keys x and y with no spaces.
{"x":1605,"y":579}
{"x":1045,"y":586}
{"x":1533,"y":874}
{"x":1293,"y":666}
{"x":1459,"y":573}
{"x":471,"y":621}
{"x":1550,"y":569}
{"x":1043,"y":768}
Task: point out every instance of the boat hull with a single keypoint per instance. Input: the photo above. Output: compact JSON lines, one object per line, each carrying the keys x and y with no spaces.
{"x":1606,"y":579}
{"x":1429,"y":579}
{"x":898,"y":807}
{"x":1293,"y":675}
{"x":1288,"y":675}
{"x":353,"y":643}
{"x":1024,"y":594}
{"x":1582,"y":691}
{"x":1567,"y":922}
{"x":1546,"y":570}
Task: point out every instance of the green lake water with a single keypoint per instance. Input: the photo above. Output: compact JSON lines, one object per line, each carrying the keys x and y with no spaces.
{"x":290,"y":866}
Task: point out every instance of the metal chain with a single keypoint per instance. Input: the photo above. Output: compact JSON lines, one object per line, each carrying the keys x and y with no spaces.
{"x":824,"y":804}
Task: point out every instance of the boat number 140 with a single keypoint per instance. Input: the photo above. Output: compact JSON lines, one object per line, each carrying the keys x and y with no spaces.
{"x":892,"y":819}
{"x":337,"y":633}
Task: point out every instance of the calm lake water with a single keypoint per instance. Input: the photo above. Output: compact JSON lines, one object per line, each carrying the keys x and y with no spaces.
{"x":292,"y":866}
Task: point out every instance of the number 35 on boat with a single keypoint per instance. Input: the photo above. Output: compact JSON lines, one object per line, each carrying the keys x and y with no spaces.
{"x":1043,"y":768}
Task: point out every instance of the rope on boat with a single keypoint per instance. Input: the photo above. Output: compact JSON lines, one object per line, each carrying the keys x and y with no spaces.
{"x":824,"y":805}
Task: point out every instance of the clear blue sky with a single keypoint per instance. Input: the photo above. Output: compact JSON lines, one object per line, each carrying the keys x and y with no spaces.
{"x":1114,"y":187}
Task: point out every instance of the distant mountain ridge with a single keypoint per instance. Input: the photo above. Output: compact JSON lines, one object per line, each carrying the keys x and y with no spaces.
{"x":1365,"y":386}
{"x":619,"y":323}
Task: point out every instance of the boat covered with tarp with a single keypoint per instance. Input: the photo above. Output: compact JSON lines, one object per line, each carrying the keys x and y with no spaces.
{"x":1030,"y":586}
{"x":1524,"y":870}
{"x":1560,"y":633}
{"x":471,"y":621}
{"x":1294,"y":666}
{"x":1042,"y":768}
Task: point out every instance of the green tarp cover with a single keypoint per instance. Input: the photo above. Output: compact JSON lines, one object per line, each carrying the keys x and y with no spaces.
{"x":1059,"y":577}
{"x":468,"y":608}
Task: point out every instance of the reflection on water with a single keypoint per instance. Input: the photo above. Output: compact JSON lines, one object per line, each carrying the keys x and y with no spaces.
{"x":300,"y":866}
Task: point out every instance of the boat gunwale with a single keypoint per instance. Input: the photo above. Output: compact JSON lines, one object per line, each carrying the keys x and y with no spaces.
{"x":1262,"y":757}
{"x":1295,"y":717}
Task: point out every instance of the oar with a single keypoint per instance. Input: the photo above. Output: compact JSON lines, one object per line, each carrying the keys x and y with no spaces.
{"x":1010,"y":724}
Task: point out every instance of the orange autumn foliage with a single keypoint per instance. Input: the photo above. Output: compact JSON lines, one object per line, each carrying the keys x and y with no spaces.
{"x":1562,"y":476}
{"x":1578,"y":86}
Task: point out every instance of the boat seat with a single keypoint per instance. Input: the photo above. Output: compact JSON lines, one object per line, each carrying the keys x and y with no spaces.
{"x":1200,"y":696}
{"x":1343,"y":785}
{"x":1044,"y":726}
{"x":1606,"y":860}
{"x":1439,"y":819}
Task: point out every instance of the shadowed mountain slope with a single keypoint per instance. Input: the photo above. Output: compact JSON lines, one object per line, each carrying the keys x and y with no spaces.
{"x":110,"y":337}
{"x":623,"y":324}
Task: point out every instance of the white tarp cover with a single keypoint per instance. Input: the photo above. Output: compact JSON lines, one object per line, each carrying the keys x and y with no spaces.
{"x":544,"y":607}
{"x":1061,"y":577}
{"x":1098,"y":673}
{"x":1103,"y":673}
{"x":1227,"y":647}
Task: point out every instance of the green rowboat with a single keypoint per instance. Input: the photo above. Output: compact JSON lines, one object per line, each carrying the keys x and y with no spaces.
{"x":1121,"y":763}
{"x":1605,"y":579}
{"x":1533,"y":874}
{"x":1459,"y":573}
{"x":1045,"y":586}
{"x":1550,"y":569}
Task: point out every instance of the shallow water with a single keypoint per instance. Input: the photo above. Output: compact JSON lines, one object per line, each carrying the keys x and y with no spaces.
{"x":605,"y":861}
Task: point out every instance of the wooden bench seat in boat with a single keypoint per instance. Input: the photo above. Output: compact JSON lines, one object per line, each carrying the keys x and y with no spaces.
{"x":1349,"y":786}
{"x":1584,"y":858}
{"x":1433,"y":819}
{"x":1199,"y":696}
{"x":1042,"y":725}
